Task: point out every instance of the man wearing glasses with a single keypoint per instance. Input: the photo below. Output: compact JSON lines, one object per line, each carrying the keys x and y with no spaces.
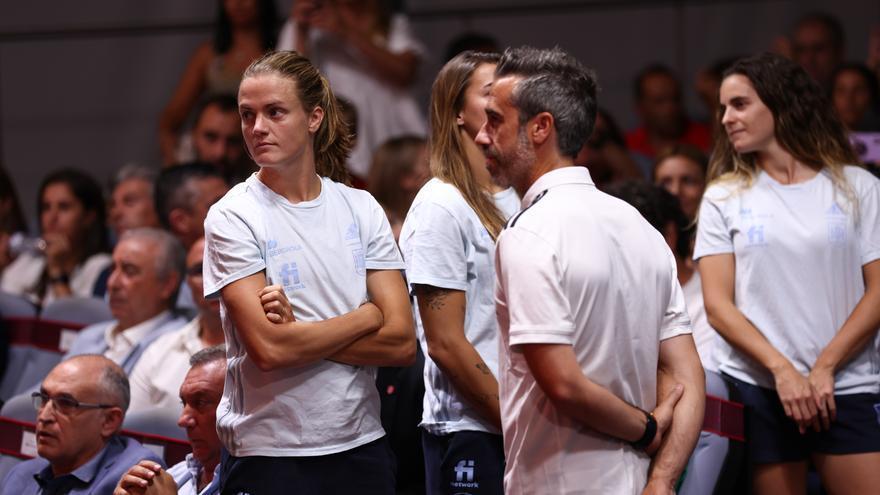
{"x":80,"y":408}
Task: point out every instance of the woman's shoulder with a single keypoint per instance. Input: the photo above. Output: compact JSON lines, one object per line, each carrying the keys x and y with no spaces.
{"x":860,"y":177}
{"x":439,"y":194}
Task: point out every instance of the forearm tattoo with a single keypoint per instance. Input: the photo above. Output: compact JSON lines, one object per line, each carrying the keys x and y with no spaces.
{"x":485,"y":369}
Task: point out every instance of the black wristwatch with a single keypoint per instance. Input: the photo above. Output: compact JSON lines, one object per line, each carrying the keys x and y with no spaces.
{"x":648,"y":436}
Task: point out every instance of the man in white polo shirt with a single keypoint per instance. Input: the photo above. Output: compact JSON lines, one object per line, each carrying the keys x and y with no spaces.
{"x":593,"y":322}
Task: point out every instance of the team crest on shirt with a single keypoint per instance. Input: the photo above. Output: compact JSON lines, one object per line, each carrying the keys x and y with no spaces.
{"x":835,"y":220}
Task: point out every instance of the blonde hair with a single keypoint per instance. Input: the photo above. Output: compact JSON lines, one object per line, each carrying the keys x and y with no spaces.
{"x":332,"y":141}
{"x":805,"y":125}
{"x":448,"y":159}
{"x":392,"y":161}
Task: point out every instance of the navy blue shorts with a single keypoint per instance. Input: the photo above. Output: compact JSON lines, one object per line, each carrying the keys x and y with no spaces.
{"x":773,"y":437}
{"x":464,"y":462}
{"x":368,"y":469}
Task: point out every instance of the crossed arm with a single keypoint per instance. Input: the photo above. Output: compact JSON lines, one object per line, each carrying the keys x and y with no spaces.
{"x":379,"y":332}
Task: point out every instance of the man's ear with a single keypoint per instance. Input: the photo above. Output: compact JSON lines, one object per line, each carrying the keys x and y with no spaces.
{"x":540,"y":128}
{"x":112,"y":422}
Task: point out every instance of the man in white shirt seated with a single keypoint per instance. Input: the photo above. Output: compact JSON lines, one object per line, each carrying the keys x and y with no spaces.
{"x":159,"y":373}
{"x":147,"y":269}
{"x":197,"y":475}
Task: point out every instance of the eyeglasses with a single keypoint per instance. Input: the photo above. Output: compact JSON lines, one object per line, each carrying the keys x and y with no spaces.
{"x":63,"y":404}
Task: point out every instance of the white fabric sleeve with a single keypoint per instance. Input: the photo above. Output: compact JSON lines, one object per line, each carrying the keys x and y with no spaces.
{"x":231,"y":250}
{"x":676,"y":320}
{"x":869,"y":221}
{"x":401,"y":38}
{"x":713,"y":234}
{"x":382,"y":251}
{"x":286,"y":36}
{"x":436,"y":250}
{"x":530,"y":277}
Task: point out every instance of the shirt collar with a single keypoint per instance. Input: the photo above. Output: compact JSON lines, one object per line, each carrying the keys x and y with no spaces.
{"x":566,"y":175}
{"x":83,"y":475}
{"x":195,"y":470}
{"x":134,"y":334}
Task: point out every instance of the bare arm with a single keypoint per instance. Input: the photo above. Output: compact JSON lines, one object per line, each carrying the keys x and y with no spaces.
{"x":296,"y":343}
{"x":857,"y":331}
{"x":795,"y":392}
{"x":679,"y":364}
{"x":557,"y":372}
{"x":443,"y":315}
{"x":190,"y":87}
{"x":394,"y":344}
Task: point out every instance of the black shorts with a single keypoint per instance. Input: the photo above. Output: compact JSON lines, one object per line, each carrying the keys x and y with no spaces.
{"x":368,"y":469}
{"x":464,"y":462}
{"x":773,"y":437}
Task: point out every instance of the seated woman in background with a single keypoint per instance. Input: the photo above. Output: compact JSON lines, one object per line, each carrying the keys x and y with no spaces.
{"x":11,"y":218}
{"x":245,"y":29}
{"x":371,"y":58}
{"x":399,"y":170}
{"x":72,"y":225}
{"x":856,"y":97}
{"x":681,"y":170}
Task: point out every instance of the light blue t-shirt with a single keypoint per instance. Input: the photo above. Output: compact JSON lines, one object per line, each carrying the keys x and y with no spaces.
{"x":319,"y":251}
{"x":799,"y":251}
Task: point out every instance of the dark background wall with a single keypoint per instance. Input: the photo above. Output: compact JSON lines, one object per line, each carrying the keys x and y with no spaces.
{"x":82,"y":83}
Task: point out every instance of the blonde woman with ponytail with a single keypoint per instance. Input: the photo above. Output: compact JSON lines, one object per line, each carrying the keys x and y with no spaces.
{"x":788,"y":243}
{"x":300,"y":405}
{"x":448,"y":241}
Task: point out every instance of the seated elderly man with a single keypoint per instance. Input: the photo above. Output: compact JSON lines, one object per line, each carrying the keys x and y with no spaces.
{"x":80,"y":406}
{"x":197,"y":475}
{"x":147,"y":270}
{"x":160,"y":371}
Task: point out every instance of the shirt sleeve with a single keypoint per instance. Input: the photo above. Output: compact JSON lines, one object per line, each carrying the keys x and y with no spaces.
{"x":869,"y":221}
{"x":713,"y":234}
{"x":676,"y":320}
{"x":401,"y":38}
{"x":232,"y":251}
{"x":436,"y":250}
{"x":530,"y":277}
{"x":382,"y":251}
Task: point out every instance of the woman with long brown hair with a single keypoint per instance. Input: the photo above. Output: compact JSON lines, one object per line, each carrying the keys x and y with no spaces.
{"x":300,"y":405}
{"x":788,"y":244}
{"x":448,"y":242}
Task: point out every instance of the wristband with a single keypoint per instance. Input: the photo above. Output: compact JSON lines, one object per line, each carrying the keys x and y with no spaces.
{"x":60,"y":279}
{"x":648,"y":436}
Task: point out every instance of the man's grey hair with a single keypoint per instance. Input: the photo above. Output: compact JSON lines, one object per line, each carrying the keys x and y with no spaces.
{"x":170,"y":257}
{"x":115,"y":384}
{"x":134,"y":171}
{"x":208,"y":355}
{"x":555,"y":82}
{"x":112,"y":381}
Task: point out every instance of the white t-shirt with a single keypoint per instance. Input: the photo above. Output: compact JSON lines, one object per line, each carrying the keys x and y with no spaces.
{"x":384,"y":109}
{"x":579,"y":267}
{"x":799,"y":258}
{"x":704,"y":335}
{"x":159,"y":373}
{"x":445,"y":245}
{"x":319,"y":251}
